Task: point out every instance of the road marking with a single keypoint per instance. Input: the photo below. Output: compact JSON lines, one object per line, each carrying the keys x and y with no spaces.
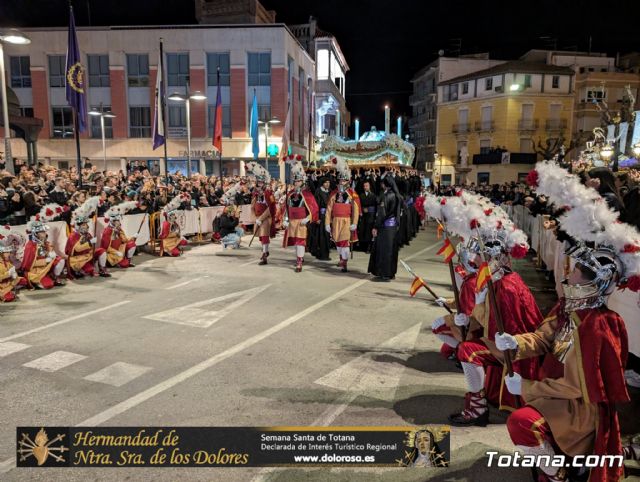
{"x":54,"y":361}
{"x":141,"y":397}
{"x":193,"y":315}
{"x":184,"y":283}
{"x":118,"y":374}
{"x":250,"y":262}
{"x":422,"y":251}
{"x":365,"y":376}
{"x":62,"y":322}
{"x":11,"y":347}
{"x":214,"y":360}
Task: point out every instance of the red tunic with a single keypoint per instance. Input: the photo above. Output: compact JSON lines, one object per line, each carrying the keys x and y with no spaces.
{"x":79,"y":256}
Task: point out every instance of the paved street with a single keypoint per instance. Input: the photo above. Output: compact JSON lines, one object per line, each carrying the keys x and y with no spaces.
{"x":213,"y":339}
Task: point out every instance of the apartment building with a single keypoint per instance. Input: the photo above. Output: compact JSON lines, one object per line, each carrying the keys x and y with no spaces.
{"x":489,"y":121}
{"x":121,"y":67}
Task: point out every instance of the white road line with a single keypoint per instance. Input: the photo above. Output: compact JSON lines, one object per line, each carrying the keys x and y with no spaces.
{"x":184,"y":283}
{"x":193,"y":315}
{"x":11,"y":347}
{"x":214,"y":360}
{"x":422,"y":251}
{"x":250,"y":262}
{"x":118,"y":374}
{"x":62,"y":322}
{"x":54,"y":361}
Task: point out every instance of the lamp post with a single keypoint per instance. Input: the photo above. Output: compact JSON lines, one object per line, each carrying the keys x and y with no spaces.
{"x":273,"y":120}
{"x":15,"y":37}
{"x":103,"y":115}
{"x":187,"y":98}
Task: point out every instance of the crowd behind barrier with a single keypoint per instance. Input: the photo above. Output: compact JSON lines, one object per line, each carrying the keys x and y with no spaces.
{"x":192,"y":222}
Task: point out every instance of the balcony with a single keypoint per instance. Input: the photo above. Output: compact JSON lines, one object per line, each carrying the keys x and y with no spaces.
{"x":485,"y":126}
{"x":528,"y":125}
{"x":419,"y":119}
{"x":555,"y":124}
{"x":461,"y":128}
{"x":326,"y":86}
{"x":177,"y":132}
{"x":495,"y":157}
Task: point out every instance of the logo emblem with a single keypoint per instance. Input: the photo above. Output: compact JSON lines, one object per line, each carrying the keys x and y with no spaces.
{"x":75,"y":77}
{"x":41,"y":447}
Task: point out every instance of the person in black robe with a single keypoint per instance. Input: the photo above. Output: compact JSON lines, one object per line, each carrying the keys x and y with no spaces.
{"x":321,"y":242}
{"x":367,"y":220}
{"x":383,"y":262}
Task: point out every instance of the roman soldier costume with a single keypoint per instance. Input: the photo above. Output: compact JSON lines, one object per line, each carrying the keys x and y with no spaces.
{"x":170,"y":238}
{"x":82,"y":253}
{"x":343,"y":212}
{"x":497,"y":240}
{"x":263,"y":207}
{"x":9,"y":279}
{"x":300,"y":210}
{"x":119,"y":247}
{"x":41,"y":266}
{"x":573,"y":407}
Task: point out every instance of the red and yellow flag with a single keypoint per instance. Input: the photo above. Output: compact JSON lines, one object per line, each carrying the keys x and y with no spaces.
{"x":439,"y":231}
{"x":416,"y":285}
{"x":484,"y":275}
{"x":447,"y":251}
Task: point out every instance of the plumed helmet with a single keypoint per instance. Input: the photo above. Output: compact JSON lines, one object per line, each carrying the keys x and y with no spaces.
{"x":84,"y":212}
{"x":115,"y":213}
{"x":260,"y":173}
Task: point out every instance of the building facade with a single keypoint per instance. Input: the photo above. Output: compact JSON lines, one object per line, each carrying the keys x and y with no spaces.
{"x":331,"y":116}
{"x":491,"y":122}
{"x":121,"y":67}
{"x":424,"y":100}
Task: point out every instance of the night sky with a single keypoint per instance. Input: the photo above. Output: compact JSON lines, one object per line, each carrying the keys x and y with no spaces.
{"x":386,"y":42}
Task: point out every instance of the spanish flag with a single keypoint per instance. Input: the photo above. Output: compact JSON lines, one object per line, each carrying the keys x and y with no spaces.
{"x":447,"y":251}
{"x":416,"y":285}
{"x":439,"y":230}
{"x":484,"y":275}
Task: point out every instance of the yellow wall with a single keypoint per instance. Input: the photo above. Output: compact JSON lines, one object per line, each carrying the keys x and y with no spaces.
{"x":507,"y":111}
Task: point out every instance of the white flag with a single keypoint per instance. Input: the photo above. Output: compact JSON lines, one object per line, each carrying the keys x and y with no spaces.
{"x":284,"y":150}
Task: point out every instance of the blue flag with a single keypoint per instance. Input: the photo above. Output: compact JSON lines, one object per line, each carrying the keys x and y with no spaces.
{"x":253,"y":127}
{"x":76,"y":80}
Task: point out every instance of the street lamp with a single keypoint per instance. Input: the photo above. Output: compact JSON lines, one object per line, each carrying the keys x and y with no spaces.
{"x":103,"y":115}
{"x":187,"y":98}
{"x":273,"y":120}
{"x":15,"y":37}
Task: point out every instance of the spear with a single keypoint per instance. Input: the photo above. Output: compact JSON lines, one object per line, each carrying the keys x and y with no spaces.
{"x":411,"y":272}
{"x":452,"y":274}
{"x":496,"y":309}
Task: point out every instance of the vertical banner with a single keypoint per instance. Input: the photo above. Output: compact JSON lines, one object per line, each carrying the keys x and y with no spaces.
{"x":622,"y":134}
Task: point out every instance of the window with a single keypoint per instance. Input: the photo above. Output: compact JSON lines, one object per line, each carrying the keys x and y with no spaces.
{"x":226,"y":120}
{"x":139,"y":122}
{"x":485,"y":145}
{"x":465,"y":87}
{"x":177,"y":69}
{"x":26,"y":111}
{"x":527,"y":81}
{"x":259,"y":69}
{"x":526,"y":144}
{"x":594,"y":94}
{"x":218,"y":61}
{"x":555,"y":82}
{"x":322,"y":64}
{"x":57,"y":69}
{"x":488,"y":83}
{"x":302,"y":104}
{"x":450,"y":92}
{"x":62,"y":122}
{"x":483,"y":178}
{"x":177,"y":115}
{"x":446,"y":180}
{"x":98,"y":70}
{"x":20,"y":71}
{"x":138,"y":70}
{"x":96,"y":131}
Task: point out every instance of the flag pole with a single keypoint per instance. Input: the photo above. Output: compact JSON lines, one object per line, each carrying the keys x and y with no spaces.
{"x":163,"y":108}
{"x":76,"y":134}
